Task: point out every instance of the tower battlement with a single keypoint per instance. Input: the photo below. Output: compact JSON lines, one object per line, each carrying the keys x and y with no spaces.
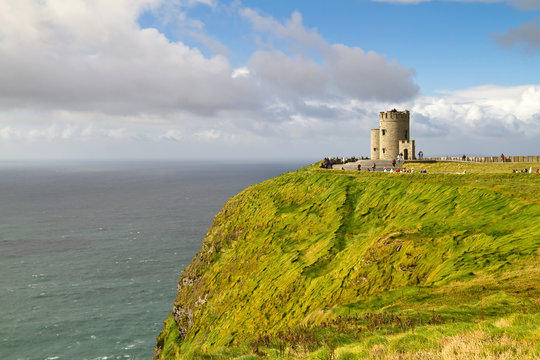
{"x":394,"y":115}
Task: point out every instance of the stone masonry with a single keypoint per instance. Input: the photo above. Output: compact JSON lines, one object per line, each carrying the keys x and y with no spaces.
{"x":392,"y":137}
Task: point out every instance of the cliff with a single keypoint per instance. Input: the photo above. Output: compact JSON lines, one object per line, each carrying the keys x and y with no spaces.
{"x":332,"y":264}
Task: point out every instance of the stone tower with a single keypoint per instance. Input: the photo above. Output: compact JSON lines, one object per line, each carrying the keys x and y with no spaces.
{"x":392,"y":137}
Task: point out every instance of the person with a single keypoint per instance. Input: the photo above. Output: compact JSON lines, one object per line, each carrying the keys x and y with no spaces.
{"x":502,"y":157}
{"x":394,"y":163}
{"x":359,"y":167}
{"x":373,"y":167}
{"x":385,"y":170}
{"x":463,"y":158}
{"x":530,"y":170}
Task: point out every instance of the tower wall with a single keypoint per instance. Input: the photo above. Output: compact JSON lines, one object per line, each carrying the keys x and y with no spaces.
{"x":375,"y":144}
{"x":394,"y":126}
{"x":407,"y":148}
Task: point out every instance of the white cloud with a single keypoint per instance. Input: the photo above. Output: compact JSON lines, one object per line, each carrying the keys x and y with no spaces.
{"x":289,"y":75}
{"x":313,"y":67}
{"x":240,"y":72}
{"x":292,"y":29}
{"x":93,"y":56}
{"x":8,"y":133}
{"x":117,"y":134}
{"x":173,"y":134}
{"x":210,"y":134}
{"x":211,"y":3}
{"x":484,"y":111}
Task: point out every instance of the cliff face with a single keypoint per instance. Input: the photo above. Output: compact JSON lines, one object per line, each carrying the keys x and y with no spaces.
{"x":298,"y":250}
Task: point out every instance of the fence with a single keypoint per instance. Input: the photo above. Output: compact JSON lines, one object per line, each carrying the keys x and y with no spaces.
{"x":487,"y":159}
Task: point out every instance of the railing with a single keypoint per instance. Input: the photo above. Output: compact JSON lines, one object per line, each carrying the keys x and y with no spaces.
{"x":487,"y":159}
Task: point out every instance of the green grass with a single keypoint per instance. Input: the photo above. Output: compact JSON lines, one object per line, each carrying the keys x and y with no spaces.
{"x":471,"y":167}
{"x":454,"y":257}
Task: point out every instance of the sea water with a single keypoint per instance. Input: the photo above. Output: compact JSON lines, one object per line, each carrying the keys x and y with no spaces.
{"x":90,"y":253}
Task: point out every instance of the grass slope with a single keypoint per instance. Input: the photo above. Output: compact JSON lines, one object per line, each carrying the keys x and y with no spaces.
{"x":343,"y":265}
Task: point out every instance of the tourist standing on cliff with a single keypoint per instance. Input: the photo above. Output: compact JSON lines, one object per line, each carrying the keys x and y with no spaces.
{"x":502,"y":157}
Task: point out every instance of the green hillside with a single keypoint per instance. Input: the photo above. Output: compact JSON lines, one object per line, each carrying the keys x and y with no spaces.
{"x":321,"y":264}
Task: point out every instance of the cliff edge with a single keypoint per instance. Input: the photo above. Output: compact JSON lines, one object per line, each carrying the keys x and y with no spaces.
{"x":344,"y":265}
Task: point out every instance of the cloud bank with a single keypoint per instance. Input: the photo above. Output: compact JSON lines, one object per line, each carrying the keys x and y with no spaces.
{"x":487,"y":111}
{"x":83,"y":78}
{"x":92,"y":56}
{"x":86,"y":69}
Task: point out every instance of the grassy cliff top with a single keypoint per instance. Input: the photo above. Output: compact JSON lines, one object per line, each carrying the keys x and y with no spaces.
{"x":449,"y":167}
{"x":343,"y":265}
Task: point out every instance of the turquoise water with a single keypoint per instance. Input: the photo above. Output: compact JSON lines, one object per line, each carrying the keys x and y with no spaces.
{"x":90,"y":253}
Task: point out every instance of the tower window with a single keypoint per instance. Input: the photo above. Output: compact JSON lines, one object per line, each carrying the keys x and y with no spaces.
{"x":374,"y":149}
{"x":383,"y":150}
{"x":384,"y":131}
{"x":406,"y":138}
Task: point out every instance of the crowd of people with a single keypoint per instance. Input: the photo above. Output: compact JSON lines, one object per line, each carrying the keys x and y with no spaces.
{"x":328,"y":162}
{"x":409,"y":171}
{"x":404,"y":170}
{"x":530,"y":171}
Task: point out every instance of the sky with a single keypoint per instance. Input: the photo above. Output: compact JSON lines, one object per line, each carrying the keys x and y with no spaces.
{"x":267,"y":79}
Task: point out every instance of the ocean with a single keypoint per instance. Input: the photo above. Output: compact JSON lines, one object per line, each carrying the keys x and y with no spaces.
{"x":90,"y":252}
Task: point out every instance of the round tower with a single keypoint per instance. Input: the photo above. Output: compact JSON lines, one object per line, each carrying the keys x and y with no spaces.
{"x":394,"y":126}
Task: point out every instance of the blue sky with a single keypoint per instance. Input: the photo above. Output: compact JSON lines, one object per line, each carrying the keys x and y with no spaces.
{"x":265,"y":79}
{"x":440,"y":39}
